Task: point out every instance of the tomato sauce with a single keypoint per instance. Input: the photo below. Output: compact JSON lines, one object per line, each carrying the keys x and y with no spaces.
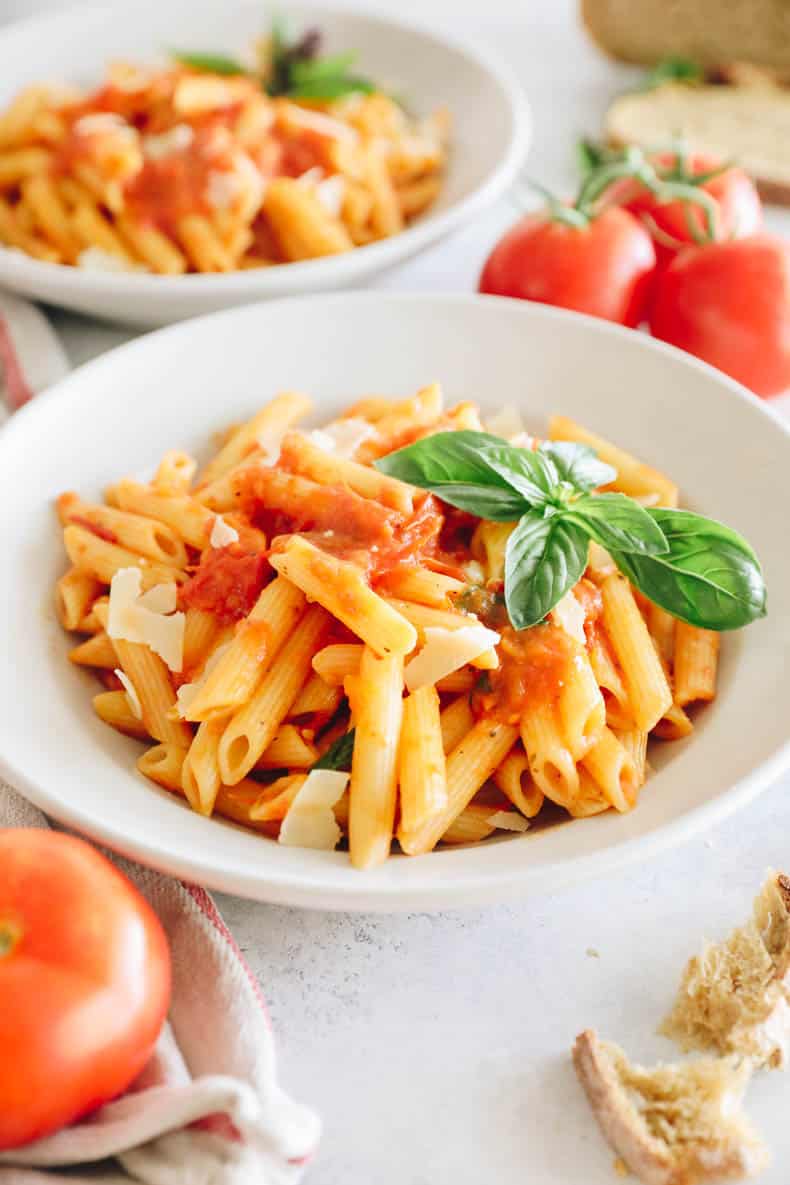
{"x":533,"y":665}
{"x":227,"y":582}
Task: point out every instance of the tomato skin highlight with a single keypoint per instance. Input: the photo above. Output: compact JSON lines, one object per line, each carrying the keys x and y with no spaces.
{"x":729,"y":304}
{"x":84,"y":982}
{"x":603,"y":269}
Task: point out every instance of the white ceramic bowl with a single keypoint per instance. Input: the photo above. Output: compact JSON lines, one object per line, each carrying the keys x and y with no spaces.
{"x":491,"y":130}
{"x":118,"y":414}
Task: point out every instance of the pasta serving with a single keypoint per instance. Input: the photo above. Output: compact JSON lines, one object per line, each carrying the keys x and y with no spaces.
{"x":206,"y":166}
{"x":319,"y":649}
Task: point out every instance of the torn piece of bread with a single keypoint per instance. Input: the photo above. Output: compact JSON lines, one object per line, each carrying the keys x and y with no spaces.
{"x":706,"y":31}
{"x":749,"y":125}
{"x":672,"y":1125}
{"x":735,"y":996}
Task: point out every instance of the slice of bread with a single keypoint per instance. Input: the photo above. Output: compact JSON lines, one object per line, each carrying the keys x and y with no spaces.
{"x":735,"y":996}
{"x":749,"y":125}
{"x":672,"y":1125}
{"x":706,"y":31}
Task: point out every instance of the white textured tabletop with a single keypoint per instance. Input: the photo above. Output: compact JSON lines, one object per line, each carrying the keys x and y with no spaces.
{"x":436,"y":1047}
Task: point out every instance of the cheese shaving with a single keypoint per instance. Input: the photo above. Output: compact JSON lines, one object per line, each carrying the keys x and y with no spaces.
{"x":132,"y":698}
{"x":445,"y":651}
{"x":508,"y":821}
{"x":96,"y":259}
{"x":187,"y":692}
{"x":310,"y":822}
{"x":507,"y":422}
{"x":131,"y":621}
{"x":330,"y":194}
{"x":222,"y":533}
{"x":162,"y":598}
{"x":342,"y":437}
{"x":176,"y":139}
{"x":98,"y":122}
{"x":568,"y":614}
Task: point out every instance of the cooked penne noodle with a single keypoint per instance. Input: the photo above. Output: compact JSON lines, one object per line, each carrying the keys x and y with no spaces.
{"x":317,"y":698}
{"x":201,"y":629}
{"x":175,"y":473}
{"x":463,"y":679}
{"x":633,"y":477}
{"x":301,"y":225}
{"x":299,"y":455}
{"x":131,"y":531}
{"x":514,"y":779}
{"x":673,"y":725}
{"x":377,"y":704}
{"x":340,"y":587}
{"x":455,"y":721}
{"x":611,"y":767}
{"x":551,"y":764}
{"x":113,"y":708}
{"x":469,"y":765}
{"x":184,"y":514}
{"x":252,"y":728}
{"x":334,"y":663}
{"x":635,"y":744}
{"x":97,"y":651}
{"x":662,"y":630}
{"x":150,"y":679}
{"x":74,"y":594}
{"x":696,"y":662}
{"x":102,"y":560}
{"x":421,"y":765}
{"x":256,"y":641}
{"x":273,"y":802}
{"x":470,"y":826}
{"x":91,"y":623}
{"x":163,"y":764}
{"x":649,"y":693}
{"x":288,"y":750}
{"x":580,"y":707}
{"x":423,"y":586}
{"x":200,"y":772}
{"x":264,"y":430}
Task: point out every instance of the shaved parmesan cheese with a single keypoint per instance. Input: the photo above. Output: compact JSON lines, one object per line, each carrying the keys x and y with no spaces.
{"x":98,"y":122}
{"x":568,"y":614}
{"x":96,"y":259}
{"x":445,"y":651}
{"x":508,"y":821}
{"x":222,"y":188}
{"x":176,"y":139}
{"x":132,"y":698}
{"x":311,"y":176}
{"x":269,"y":443}
{"x":474,"y":572}
{"x":162,"y":598}
{"x":506,"y":422}
{"x":322,"y":125}
{"x":342,"y":437}
{"x":310,"y":822}
{"x":330,"y":194}
{"x":222,"y":534}
{"x":131,"y":621}
{"x":187,"y":692}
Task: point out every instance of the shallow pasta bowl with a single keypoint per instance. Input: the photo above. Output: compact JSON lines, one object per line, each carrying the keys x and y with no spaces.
{"x":173,"y":389}
{"x":490,"y":138}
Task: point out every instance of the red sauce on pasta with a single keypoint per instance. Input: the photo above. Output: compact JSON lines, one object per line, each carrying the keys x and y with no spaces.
{"x":227,"y":582}
{"x":533,"y":665}
{"x":95,"y":528}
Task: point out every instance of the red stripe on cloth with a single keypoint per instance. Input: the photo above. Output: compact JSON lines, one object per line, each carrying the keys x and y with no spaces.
{"x":209,"y":909}
{"x":18,"y":390}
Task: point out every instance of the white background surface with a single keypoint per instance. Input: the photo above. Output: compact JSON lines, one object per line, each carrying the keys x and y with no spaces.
{"x":436,"y":1047}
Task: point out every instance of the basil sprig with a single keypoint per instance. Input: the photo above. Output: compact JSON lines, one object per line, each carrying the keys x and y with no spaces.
{"x":339,"y":753}
{"x":293,"y":68}
{"x":697,"y":569}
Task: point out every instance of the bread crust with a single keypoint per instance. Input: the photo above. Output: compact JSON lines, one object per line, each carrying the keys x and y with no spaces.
{"x":652,"y":1160}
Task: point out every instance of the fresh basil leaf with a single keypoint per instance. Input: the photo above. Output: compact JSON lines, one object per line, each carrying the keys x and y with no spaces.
{"x":211,"y":63}
{"x":709,"y":577}
{"x":578,"y":463}
{"x":330,"y":87}
{"x":333,"y":65}
{"x":456,"y":466}
{"x":618,"y":523}
{"x":673,"y":69}
{"x":339,"y":753}
{"x":545,"y":557}
{"x":532,"y":473}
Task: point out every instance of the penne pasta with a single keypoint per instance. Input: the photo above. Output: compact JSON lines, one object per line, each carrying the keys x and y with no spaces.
{"x":377,"y":705}
{"x":696,"y":661}
{"x":633,"y":476}
{"x":113,"y":708}
{"x":649,"y":693}
{"x":421,"y":765}
{"x":74,"y":594}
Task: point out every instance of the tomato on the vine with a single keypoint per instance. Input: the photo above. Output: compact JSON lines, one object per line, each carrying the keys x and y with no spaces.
{"x":84,"y":982}
{"x":677,"y":221}
{"x":729,"y":304}
{"x":601,"y":264}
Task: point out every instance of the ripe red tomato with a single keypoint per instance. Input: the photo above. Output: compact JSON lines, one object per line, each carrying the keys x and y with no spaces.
{"x":738,"y":209}
{"x":729,"y":303}
{"x":84,"y":982}
{"x":603,"y":268}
